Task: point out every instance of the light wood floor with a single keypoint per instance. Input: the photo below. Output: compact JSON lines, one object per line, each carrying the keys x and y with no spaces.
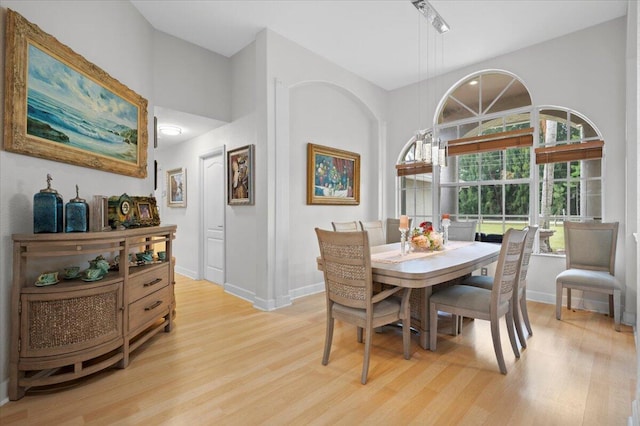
{"x":226,"y":363}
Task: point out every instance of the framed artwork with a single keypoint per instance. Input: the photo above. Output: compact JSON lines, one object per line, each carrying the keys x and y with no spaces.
{"x":61,"y":107}
{"x":145,"y":211}
{"x":333,"y":176}
{"x":240,"y":179}
{"x":177,"y":187}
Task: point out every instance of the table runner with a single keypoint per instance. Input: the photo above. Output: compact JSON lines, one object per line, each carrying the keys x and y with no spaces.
{"x":394,"y":256}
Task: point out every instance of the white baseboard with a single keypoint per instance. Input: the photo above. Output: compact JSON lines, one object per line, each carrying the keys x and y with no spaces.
{"x":186,"y":272}
{"x":307,"y":290}
{"x":239,"y":292}
{"x":628,"y":318}
{"x":4,"y":392}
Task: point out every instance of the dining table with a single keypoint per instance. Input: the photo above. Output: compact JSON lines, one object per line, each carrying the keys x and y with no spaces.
{"x":425,"y":271}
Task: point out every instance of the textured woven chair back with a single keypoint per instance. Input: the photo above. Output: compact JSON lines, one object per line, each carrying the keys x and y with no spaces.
{"x":375,"y":228}
{"x":508,"y":269}
{"x":591,"y":245}
{"x":462,"y":231}
{"x":345,"y":226}
{"x":532,"y":231}
{"x":393,"y":230}
{"x":347,"y":267}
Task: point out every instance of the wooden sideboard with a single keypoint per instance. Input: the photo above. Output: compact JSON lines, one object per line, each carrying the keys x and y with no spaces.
{"x":75,"y":328}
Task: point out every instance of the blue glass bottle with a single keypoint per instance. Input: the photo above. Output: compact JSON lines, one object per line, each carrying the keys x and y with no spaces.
{"x":77,"y":214}
{"x":47,"y":210}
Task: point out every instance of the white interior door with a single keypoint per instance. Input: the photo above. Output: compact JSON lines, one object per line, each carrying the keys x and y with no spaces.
{"x":214,"y":205}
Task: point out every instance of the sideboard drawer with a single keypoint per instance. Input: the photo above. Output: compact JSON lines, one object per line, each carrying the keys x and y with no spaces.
{"x":147,"y":282}
{"x":151,"y":307}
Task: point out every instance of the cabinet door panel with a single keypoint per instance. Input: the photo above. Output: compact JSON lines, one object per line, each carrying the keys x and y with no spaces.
{"x":60,"y":323}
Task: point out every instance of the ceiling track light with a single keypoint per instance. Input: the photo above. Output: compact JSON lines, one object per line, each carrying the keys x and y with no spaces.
{"x":432,"y":15}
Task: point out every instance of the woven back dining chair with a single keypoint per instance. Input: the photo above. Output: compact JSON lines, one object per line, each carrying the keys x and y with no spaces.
{"x":392,"y":231}
{"x":591,"y":256}
{"x":345,"y":226}
{"x":480,"y":303}
{"x":375,"y":228}
{"x":346,"y":264}
{"x":462,"y":231}
{"x":520,"y":312}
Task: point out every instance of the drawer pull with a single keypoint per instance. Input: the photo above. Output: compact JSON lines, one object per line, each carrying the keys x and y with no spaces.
{"x":154,"y":282}
{"x":155,"y":305}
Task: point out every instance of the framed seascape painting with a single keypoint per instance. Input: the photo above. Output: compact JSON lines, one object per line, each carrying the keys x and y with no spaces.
{"x":333,"y":176}
{"x":240,"y":179}
{"x":61,"y":107}
{"x":177,"y":187}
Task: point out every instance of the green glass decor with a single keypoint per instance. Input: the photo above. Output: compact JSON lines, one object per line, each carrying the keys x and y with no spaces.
{"x":77,"y":214}
{"x":47,"y":210}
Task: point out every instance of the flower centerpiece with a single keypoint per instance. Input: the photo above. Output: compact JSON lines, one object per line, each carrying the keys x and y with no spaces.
{"x":424,"y":238}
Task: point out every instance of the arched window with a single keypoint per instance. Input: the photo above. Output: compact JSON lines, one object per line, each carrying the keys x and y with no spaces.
{"x":498,"y":172}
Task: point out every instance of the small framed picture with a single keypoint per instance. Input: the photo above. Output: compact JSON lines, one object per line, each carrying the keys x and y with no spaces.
{"x":177,"y":187}
{"x":240,"y":180}
{"x":145,"y":211}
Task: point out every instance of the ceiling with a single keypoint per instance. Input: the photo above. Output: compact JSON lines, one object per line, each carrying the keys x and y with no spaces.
{"x":386,"y":42}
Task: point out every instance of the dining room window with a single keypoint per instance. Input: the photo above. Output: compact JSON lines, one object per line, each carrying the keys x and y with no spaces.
{"x":510,"y":163}
{"x":568,"y":162}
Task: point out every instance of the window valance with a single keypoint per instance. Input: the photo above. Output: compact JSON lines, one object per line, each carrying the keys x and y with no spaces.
{"x":491,"y":142}
{"x":569,"y":152}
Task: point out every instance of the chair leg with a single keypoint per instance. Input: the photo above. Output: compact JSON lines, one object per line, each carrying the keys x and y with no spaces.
{"x":558,"y":300}
{"x":517,"y":323}
{"x":525,"y":314}
{"x":454,"y":325}
{"x":569,"y":298}
{"x":367,"y":349}
{"x":433,"y":326}
{"x":497,"y":347}
{"x":327,"y":340}
{"x":617,"y":308}
{"x":611,"y":311}
{"x":512,"y":335}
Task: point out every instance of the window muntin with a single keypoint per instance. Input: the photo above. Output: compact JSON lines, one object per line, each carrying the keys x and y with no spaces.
{"x":505,"y":188}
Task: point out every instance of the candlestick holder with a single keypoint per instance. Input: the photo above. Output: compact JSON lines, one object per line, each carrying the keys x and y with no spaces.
{"x":403,"y":241}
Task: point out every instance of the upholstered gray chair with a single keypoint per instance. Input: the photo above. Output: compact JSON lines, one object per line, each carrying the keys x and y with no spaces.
{"x":346,"y":263}
{"x":462,"y":231}
{"x":520,"y":313}
{"x":393,"y":230}
{"x":480,"y":303}
{"x":345,"y":226}
{"x":591,"y":256}
{"x":376,"y":232}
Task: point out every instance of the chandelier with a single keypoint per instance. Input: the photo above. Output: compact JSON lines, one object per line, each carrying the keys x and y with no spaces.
{"x":429,"y":151}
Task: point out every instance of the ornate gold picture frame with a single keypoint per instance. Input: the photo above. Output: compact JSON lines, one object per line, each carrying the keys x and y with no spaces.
{"x":61,"y":107}
{"x":333,"y":176}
